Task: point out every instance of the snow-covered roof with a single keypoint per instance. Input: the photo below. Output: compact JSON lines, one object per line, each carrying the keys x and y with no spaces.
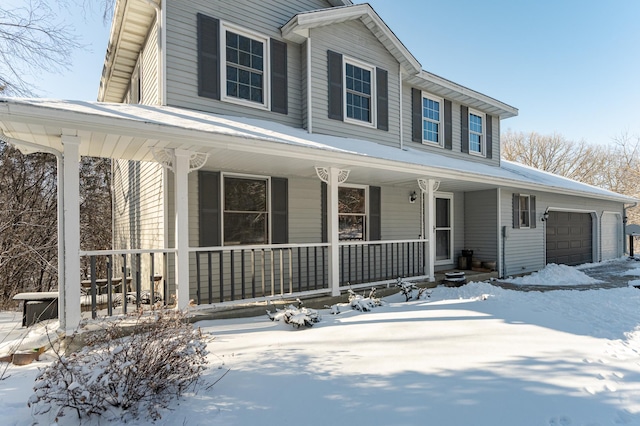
{"x":127,"y":131}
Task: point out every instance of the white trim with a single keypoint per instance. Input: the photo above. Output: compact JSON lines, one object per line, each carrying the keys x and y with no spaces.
{"x":309,"y":89}
{"x":400,"y":112}
{"x":440,"y":123}
{"x":267,"y":179}
{"x":266,"y":72}
{"x":374,"y":108}
{"x":483,"y":136}
{"x":450,"y":197}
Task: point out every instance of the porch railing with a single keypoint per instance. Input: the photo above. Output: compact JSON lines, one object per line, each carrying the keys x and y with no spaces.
{"x":226,"y":274}
{"x":116,"y":281}
{"x":373,"y":261}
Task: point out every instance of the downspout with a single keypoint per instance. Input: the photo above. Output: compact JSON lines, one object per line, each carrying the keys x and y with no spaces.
{"x":60,"y":209}
{"x":309,"y":88}
{"x":160,"y":42}
{"x":400,"y":105}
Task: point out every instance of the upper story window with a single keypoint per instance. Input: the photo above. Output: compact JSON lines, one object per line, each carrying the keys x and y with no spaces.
{"x":431,"y":120}
{"x":358,"y":92}
{"x":245,"y":73}
{"x":352,"y":213}
{"x":476,"y":135}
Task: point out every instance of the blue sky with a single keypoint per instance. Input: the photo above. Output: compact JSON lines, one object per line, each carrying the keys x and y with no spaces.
{"x":571,"y":67}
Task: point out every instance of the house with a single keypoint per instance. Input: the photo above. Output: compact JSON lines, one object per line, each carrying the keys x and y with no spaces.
{"x":297,"y":147}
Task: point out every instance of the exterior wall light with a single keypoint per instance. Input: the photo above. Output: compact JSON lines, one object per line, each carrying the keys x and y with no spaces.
{"x":545,"y":215}
{"x":413,"y":196}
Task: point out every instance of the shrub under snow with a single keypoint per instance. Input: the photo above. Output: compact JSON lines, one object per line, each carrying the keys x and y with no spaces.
{"x":117,"y":376}
{"x":297,"y":316}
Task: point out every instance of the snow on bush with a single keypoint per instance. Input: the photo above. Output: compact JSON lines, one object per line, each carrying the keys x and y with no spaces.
{"x":409,"y":289}
{"x":123,"y":377}
{"x":357,"y":302}
{"x":296,"y":316}
{"x":553,"y":274}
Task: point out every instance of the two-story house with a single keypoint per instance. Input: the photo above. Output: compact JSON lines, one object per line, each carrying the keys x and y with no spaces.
{"x":298,"y":147}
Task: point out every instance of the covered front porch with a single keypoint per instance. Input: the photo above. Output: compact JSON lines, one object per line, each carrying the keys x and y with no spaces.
{"x":415,"y":221}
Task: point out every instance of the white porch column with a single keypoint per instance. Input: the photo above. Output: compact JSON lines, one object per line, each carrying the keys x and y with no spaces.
{"x":428,"y":188}
{"x":182,"y":162}
{"x":333,"y":177}
{"x":181,"y":170}
{"x":69,"y":291}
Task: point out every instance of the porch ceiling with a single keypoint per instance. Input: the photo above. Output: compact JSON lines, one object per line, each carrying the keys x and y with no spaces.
{"x":259,"y":147}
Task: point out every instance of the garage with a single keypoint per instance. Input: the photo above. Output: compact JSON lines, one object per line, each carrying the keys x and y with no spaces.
{"x":569,"y":238}
{"x":610,"y":238}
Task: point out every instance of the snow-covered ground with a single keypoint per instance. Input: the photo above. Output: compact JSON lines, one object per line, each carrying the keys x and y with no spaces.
{"x":474,"y":355}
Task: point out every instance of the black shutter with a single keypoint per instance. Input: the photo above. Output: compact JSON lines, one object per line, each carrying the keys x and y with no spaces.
{"x":208,"y":57}
{"x":532,"y":211}
{"x":416,"y":115}
{"x":279,"y":84}
{"x":279,"y":210}
{"x":464,"y":130}
{"x":516,"y":210}
{"x":382,"y":95}
{"x":375,"y":225}
{"x":209,"y":213}
{"x":448,"y":125}
{"x":334,"y":61}
{"x":323,"y":213}
{"x":489,"y":138}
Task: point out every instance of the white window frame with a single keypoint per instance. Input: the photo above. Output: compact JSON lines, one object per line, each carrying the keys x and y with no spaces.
{"x":266,"y":73}
{"x":520,"y":211}
{"x":373,"y":122}
{"x":365,"y":236}
{"x":450,"y":228}
{"x":440,"y":101}
{"x":483,"y":141}
{"x":223,"y":209}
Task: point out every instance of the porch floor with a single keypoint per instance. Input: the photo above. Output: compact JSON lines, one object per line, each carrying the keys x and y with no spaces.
{"x":252,"y":309}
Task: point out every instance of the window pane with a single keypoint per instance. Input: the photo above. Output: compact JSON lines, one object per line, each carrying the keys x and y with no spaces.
{"x":475,"y":143}
{"x":351,"y":227}
{"x":245,"y":195}
{"x":245,"y":65}
{"x":442,"y":213}
{"x":245,"y":228}
{"x":443,"y":244}
{"x":351,"y":200}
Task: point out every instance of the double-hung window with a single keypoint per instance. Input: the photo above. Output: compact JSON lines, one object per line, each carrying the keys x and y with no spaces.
{"x":359,"y":91}
{"x":476,"y":136}
{"x":246,"y":210}
{"x":352,"y":213}
{"x":245,"y":74}
{"x":525,"y":211}
{"x":431,"y":120}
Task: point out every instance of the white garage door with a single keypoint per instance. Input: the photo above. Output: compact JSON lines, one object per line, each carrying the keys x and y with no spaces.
{"x":610,"y":236}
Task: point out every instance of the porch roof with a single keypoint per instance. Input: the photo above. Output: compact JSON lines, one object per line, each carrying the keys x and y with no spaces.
{"x":124,"y":131}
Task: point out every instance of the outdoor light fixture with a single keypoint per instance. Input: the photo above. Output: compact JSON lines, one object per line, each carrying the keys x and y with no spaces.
{"x":545,"y":215}
{"x":413,"y":197}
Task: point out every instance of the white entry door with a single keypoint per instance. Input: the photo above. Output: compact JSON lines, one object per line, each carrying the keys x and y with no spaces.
{"x":443,"y":230}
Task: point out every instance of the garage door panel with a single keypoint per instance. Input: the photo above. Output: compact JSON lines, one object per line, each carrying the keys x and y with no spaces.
{"x":611,"y":229}
{"x":569,"y":238}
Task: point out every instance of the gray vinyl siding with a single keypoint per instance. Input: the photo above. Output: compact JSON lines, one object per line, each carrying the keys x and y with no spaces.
{"x":525,"y":249}
{"x":481,"y":224}
{"x":265,"y":18}
{"x":353,"y":40}
{"x":456,"y":133}
{"x":150,"y":80}
{"x":400,"y":220}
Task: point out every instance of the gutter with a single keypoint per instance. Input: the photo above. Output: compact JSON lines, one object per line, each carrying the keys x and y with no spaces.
{"x":20,"y":145}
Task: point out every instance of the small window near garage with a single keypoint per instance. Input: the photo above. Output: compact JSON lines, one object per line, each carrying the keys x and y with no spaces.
{"x":476,"y":138}
{"x":246,"y":214}
{"x":524,"y":211}
{"x":352,"y":213}
{"x":245,"y":73}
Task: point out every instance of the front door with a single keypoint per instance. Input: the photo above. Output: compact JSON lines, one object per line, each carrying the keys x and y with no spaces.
{"x":443,"y":229}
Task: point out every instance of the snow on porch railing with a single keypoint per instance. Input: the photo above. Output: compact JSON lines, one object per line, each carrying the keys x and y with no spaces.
{"x":373,"y":261}
{"x":114,"y":280}
{"x":226,"y":274}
